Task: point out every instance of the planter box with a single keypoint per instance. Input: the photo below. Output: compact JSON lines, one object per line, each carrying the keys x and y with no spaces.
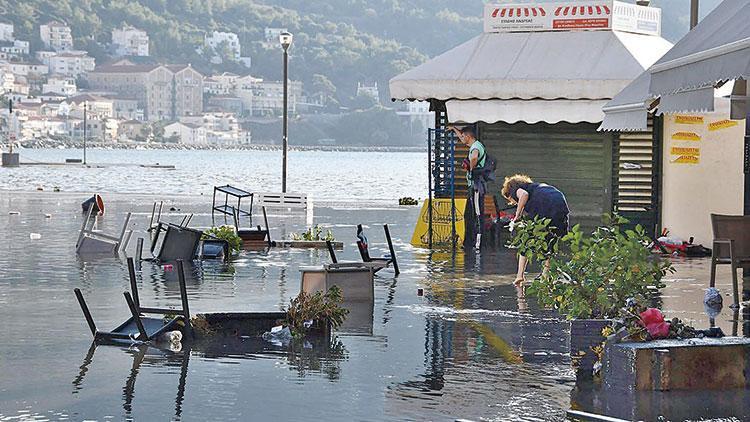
{"x":693,"y":364}
{"x":318,"y":244}
{"x":247,"y":324}
{"x":584,"y":335}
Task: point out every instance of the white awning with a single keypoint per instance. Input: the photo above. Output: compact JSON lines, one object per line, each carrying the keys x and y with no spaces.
{"x":574,"y":65}
{"x":716,"y":50}
{"x":529,"y":111}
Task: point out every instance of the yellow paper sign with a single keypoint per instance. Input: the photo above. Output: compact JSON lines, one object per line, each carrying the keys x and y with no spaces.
{"x":686,"y":136}
{"x":685,"y":151}
{"x":687,"y":159}
{"x":722,"y":124}
{"x":441,"y":223}
{"x":688,"y":120}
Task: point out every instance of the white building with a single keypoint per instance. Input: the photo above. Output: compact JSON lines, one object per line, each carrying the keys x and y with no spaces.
{"x":60,"y":84}
{"x":218,"y":42}
{"x":266,"y":98}
{"x":220,"y":128}
{"x":368,"y":90}
{"x":272,"y":34}
{"x":15,"y":48}
{"x":71,"y":63}
{"x":56,"y":35}
{"x":25,"y":69}
{"x":224,"y":84}
{"x":6,"y":32}
{"x":187,"y":133}
{"x":130,"y":41}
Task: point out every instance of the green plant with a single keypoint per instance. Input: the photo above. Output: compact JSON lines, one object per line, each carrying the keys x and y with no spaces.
{"x":225,"y":233}
{"x":407,"y":200}
{"x":316,"y":308}
{"x":532,"y":239}
{"x":314,"y":234}
{"x":593,"y":276}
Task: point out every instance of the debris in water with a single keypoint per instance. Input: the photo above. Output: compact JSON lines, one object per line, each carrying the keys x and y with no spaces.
{"x":47,"y":215}
{"x":41,"y":188}
{"x":56,"y":189}
{"x":168,"y":267}
{"x":35,"y":236}
{"x":14,"y":212}
{"x":278,"y":336}
{"x":420,"y":292}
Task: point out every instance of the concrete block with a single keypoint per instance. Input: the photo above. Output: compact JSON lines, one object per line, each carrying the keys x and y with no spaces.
{"x":663,"y":365}
{"x":10,"y":159}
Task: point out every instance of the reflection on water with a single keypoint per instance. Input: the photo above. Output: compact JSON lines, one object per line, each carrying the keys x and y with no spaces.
{"x":473,"y":346}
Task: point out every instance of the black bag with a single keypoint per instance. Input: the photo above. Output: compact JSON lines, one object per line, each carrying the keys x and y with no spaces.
{"x":487,"y":171}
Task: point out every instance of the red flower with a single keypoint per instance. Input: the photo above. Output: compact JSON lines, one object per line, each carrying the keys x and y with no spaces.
{"x":653,"y":320}
{"x":651,"y":316}
{"x":658,"y":330}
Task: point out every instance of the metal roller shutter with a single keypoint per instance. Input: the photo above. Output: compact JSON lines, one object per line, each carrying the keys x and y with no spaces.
{"x":575,"y":158}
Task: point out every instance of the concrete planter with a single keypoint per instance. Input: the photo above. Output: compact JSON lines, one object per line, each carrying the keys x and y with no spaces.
{"x":10,"y":159}
{"x":585,"y":334}
{"x":315,"y":244}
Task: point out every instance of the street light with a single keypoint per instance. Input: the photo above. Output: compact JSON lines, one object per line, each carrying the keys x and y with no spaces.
{"x":85,"y":104}
{"x":285,"y":38}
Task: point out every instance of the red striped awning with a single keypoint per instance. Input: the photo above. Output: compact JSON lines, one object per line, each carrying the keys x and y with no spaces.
{"x":598,"y":10}
{"x":518,"y":12}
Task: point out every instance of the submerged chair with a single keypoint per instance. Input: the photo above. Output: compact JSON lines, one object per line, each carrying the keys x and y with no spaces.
{"x":140,"y":328}
{"x":259,"y":237}
{"x":91,"y":241}
{"x":364,"y":250}
{"x":731,"y":246}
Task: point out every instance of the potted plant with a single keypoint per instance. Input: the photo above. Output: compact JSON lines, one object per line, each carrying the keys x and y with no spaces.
{"x":227,"y":234}
{"x":589,"y":278}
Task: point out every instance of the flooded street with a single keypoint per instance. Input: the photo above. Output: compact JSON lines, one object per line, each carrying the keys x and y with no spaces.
{"x":472,"y":347}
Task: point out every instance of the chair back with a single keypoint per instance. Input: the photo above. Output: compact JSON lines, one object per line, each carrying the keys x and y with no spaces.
{"x":179,"y":243}
{"x":362,"y":244}
{"x":732,"y":227}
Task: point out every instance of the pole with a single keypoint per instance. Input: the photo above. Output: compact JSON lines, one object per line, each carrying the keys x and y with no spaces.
{"x":285,"y":122}
{"x":693,"y":13}
{"x":84,"y":133}
{"x":429,"y":185}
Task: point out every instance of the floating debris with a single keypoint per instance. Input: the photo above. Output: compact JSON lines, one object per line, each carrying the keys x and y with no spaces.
{"x":47,"y":215}
{"x":35,"y":236}
{"x":14,"y":212}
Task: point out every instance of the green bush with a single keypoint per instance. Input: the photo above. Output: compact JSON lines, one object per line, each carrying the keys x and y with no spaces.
{"x":319,"y":308}
{"x":314,"y":234}
{"x":224,"y":233}
{"x":593,"y":276}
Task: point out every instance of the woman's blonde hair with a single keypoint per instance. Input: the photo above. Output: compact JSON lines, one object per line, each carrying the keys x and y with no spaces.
{"x":511,"y":185}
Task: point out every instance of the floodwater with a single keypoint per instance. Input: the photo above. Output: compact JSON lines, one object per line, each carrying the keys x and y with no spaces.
{"x":470,"y":348}
{"x":371,"y":176}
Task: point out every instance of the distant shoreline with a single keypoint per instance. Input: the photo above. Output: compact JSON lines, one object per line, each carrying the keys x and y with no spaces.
{"x":39,"y":144}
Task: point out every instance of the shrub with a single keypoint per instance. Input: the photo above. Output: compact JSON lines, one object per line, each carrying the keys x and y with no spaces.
{"x":593,"y":276}
{"x":316,"y":308}
{"x":314,"y":234}
{"x":225,"y":233}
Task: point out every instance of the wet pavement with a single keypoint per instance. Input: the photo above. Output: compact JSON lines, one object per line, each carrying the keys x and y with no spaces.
{"x":472,"y":347}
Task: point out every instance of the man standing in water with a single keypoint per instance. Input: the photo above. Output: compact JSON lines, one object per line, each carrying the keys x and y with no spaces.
{"x":476,"y":158}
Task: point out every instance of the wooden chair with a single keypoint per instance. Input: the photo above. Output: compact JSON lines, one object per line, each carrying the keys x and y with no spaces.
{"x":731,"y":246}
{"x":139,"y":328}
{"x":364,"y":250}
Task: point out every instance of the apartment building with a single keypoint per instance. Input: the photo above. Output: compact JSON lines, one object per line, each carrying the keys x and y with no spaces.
{"x":56,"y":35}
{"x":71,"y":63}
{"x":130,"y":41}
{"x":164,"y":92}
{"x":6,"y":31}
{"x":217,"y":41}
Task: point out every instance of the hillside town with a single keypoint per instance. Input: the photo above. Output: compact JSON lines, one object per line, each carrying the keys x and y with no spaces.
{"x":136,"y":99}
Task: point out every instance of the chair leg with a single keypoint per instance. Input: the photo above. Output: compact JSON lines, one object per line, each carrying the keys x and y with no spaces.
{"x":735,"y":287}
{"x":712,"y":282}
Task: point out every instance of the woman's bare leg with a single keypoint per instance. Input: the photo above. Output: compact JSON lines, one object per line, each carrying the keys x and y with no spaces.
{"x":521,"y":269}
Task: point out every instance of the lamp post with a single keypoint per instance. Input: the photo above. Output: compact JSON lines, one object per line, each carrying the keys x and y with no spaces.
{"x":285,"y":38}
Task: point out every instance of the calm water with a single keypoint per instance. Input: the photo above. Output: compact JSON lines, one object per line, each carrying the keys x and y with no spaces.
{"x":470,"y":348}
{"x":327,"y":176}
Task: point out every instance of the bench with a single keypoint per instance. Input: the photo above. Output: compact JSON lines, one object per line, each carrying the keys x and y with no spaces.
{"x":289,"y":201}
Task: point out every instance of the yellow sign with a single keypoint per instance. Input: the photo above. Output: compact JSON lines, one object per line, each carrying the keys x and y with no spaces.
{"x":685,"y":151}
{"x":722,"y":124}
{"x":687,"y":159}
{"x":686,"y":136}
{"x":441,"y":223}
{"x":688,"y":120}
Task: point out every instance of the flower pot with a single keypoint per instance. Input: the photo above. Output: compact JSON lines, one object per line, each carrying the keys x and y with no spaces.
{"x":585,"y":334}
